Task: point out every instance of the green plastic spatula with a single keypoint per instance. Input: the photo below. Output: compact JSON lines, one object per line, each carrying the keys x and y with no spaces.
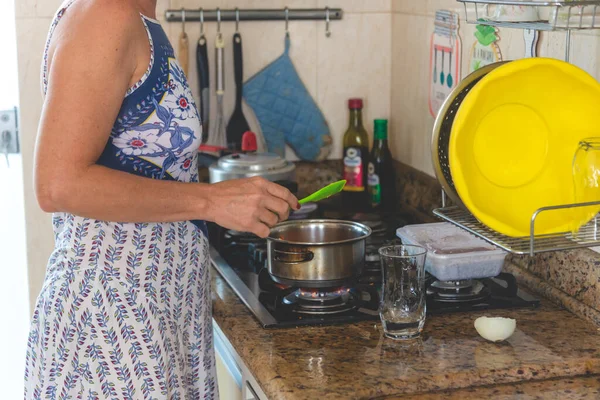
{"x":327,"y":191}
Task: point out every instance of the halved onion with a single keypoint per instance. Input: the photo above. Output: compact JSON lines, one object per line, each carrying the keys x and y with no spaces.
{"x":495,"y":329}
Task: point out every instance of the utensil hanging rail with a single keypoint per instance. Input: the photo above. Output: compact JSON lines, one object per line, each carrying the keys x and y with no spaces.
{"x":293,"y":14}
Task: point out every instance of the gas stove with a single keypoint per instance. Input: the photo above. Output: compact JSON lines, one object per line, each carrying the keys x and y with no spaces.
{"x":241,"y":259}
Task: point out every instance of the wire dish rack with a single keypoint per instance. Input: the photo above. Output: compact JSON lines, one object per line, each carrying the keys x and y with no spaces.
{"x":552,"y":15}
{"x":587,"y":236}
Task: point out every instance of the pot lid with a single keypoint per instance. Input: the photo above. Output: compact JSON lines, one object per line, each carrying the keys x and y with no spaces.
{"x":252,"y":162}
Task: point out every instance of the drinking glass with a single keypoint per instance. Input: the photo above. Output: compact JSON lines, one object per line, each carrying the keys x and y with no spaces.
{"x":402,"y":304}
{"x":586,"y":176}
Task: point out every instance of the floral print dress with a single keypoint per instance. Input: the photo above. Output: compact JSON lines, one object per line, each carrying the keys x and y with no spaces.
{"x":125,"y":311}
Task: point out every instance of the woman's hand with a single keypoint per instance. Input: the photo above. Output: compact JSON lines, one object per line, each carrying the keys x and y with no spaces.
{"x":250,"y":205}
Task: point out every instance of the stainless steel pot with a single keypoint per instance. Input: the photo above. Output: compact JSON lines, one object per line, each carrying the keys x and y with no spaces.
{"x":316,"y":253}
{"x":237,"y":166}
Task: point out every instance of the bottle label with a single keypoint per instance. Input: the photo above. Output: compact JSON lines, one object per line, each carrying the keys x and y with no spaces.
{"x":374,"y":187}
{"x":353,"y":170}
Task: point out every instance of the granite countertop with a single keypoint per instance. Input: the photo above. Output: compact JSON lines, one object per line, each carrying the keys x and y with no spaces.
{"x":582,"y":387}
{"x":355,"y":362}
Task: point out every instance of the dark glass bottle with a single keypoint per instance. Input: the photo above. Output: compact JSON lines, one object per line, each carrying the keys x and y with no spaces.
{"x":355,"y":159}
{"x":382,"y":177}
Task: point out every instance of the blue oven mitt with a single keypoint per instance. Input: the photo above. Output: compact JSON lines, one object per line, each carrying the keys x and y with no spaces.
{"x":286,"y":111}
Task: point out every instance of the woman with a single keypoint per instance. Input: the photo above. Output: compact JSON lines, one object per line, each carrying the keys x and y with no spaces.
{"x":125,"y":310}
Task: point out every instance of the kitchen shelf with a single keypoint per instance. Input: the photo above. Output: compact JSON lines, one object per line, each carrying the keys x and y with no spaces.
{"x":562,"y":15}
{"x":587,"y":236}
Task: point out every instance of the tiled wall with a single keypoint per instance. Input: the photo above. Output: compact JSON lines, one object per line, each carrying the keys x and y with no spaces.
{"x":379,"y":51}
{"x":412,"y":26}
{"x":354,"y":61}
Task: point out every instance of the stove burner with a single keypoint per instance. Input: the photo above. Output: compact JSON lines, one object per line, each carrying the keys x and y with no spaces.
{"x":321,"y":295}
{"x":241,"y":238}
{"x":372,"y":256}
{"x":467,"y":291}
{"x":322,"y":301}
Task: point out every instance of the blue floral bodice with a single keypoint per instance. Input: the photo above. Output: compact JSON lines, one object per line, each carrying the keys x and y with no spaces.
{"x":158,"y":130}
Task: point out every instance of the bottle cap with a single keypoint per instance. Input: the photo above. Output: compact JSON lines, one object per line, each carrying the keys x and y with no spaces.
{"x":380,"y":131}
{"x":249,"y":142}
{"x":355,"y":104}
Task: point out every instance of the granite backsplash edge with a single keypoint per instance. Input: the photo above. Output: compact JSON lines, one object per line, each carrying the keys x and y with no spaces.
{"x":568,"y":278}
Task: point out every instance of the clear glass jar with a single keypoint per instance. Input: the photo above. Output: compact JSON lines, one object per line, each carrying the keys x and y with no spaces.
{"x":586,"y":175}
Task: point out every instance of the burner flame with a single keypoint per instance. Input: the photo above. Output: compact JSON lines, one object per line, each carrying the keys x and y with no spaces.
{"x":322,"y":293}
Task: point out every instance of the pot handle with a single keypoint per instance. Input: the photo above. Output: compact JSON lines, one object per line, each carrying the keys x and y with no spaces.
{"x":293,"y":256}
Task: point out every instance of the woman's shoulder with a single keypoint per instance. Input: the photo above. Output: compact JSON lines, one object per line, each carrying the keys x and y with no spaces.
{"x":109,"y":16}
{"x":96,"y":33}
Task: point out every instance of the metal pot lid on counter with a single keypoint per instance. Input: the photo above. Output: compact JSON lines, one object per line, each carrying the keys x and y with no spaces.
{"x":269,"y":166}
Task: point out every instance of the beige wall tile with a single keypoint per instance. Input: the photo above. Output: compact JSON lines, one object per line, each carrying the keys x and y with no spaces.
{"x":230,"y":4}
{"x":355,"y":6}
{"x":585,"y":52}
{"x":207,"y":4}
{"x":411,"y":123}
{"x":434,"y":5}
{"x":424,"y":7}
{"x":409,"y":6}
{"x":47,"y":8}
{"x":31,"y":34}
{"x":269,"y":3}
{"x":161,"y":7}
{"x":354,"y":62}
{"x":25,"y":8}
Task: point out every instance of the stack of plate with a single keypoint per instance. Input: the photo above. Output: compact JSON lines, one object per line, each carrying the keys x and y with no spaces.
{"x":504,"y":142}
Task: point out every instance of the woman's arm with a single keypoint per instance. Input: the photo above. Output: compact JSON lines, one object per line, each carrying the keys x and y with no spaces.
{"x":98,"y":49}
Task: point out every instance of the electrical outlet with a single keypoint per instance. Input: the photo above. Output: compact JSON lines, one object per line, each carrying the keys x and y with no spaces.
{"x":9,"y":133}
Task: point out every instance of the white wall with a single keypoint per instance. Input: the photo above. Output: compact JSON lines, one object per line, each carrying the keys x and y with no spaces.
{"x":13,"y":264}
{"x":354,"y":62}
{"x":31,"y":31}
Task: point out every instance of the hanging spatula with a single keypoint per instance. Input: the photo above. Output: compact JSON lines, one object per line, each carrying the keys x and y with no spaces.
{"x":204,"y":82}
{"x":324,"y":193}
{"x":237,"y":124}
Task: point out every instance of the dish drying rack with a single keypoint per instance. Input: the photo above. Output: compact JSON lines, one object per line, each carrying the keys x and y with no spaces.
{"x":587,"y":236}
{"x":565,"y":15}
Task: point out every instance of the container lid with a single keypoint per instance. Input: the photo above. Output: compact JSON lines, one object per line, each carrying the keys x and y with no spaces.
{"x":452,"y":253}
{"x":444,"y":239}
{"x":249,"y":141}
{"x":252,"y":162}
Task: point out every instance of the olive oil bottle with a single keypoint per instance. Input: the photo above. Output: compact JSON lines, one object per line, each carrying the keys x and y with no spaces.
{"x":355,"y":159}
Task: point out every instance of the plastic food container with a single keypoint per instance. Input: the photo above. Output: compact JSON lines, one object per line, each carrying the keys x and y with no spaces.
{"x":452,"y":253}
